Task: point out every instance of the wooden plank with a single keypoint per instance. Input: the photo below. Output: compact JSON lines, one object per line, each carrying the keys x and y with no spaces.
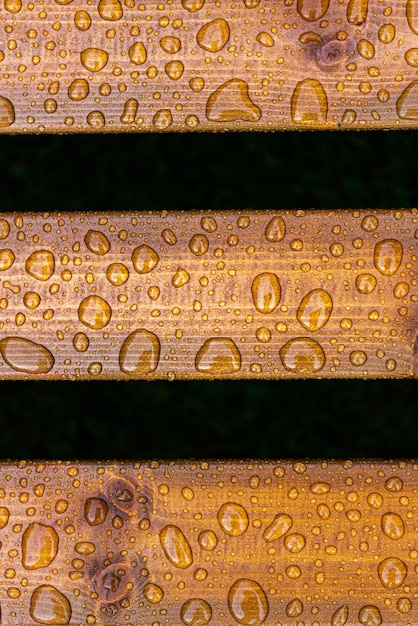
{"x":228,"y":294}
{"x":163,"y":544}
{"x":113,"y":66}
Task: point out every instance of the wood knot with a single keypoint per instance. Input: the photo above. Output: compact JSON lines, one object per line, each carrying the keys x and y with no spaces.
{"x":331,"y":54}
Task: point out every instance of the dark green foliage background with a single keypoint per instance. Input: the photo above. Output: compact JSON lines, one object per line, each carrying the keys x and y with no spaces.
{"x":209,"y":419}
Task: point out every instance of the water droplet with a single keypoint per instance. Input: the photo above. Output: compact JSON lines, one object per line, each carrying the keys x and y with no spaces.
{"x":279,"y":527}
{"x":13,"y":6}
{"x":7,"y":259}
{"x":199,"y":244}
{"x":153,"y":593}
{"x":265,"y":39}
{"x":263,"y":334}
{"x":49,"y":606}
{"x":392,"y":572}
{"x":39,"y":546}
{"x":78,"y":89}
{"x":404,"y":605}
{"x":180,"y":278}
{"x":4,"y":516}
{"x":214,"y":35}
{"x":365,"y":49}
{"x":320,"y":489}
{"x":231,"y":102}
{"x":193,"y":5}
{"x":369,"y":615}
{"x":309,"y":103}
{"x":97,"y":242}
{"x":233,"y":519}
{"x":94,"y":312}
{"x":82,"y":20}
{"x":140,"y":353}
{"x":176,"y":547}
{"x":275,"y":229}
{"x":27,"y":356}
{"x":315,"y":309}
{"x":187,"y":493}
{"x":4,"y":229}
{"x":96,"y":119}
{"x":375,"y":500}
{"x":138,"y":53}
{"x":129,"y":111}
{"x":394,"y":484}
{"x":302,"y":356}
{"x":358,"y":358}
{"x":386,"y":33}
{"x":95,"y":511}
{"x":356,"y":14}
{"x":294,"y":542}
{"x":247,"y":602}
{"x":196,"y":84}
{"x":162,"y":119}
{"x":208,"y":540}
{"x":365,"y":283}
{"x":406,"y":105}
{"x":393,"y":526}
{"x":294,"y":608}
{"x":85,"y":547}
{"x":171,"y":45}
{"x":401,"y":290}
{"x":218,"y":355}
{"x":411,"y":57}
{"x":388,"y":256}
{"x":196,"y":612}
{"x":312,"y":10}
{"x":94,"y":59}
{"x":144,"y":259}
{"x":412,"y":15}
{"x":266,"y":292}
{"x":113,"y":583}
{"x":40,"y":264}
{"x":117,"y":274}
{"x":340,"y":616}
{"x":110,"y":10}
{"x":169,"y":237}
{"x":7,"y":112}
{"x":174,"y":69}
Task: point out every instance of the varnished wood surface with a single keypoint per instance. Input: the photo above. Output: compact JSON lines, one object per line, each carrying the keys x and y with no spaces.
{"x":184,"y":65}
{"x":182,"y":295}
{"x":219,"y":543}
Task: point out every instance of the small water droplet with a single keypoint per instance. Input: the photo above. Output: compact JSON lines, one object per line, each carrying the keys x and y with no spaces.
{"x":4,"y":229}
{"x":117,"y":274}
{"x":82,"y":20}
{"x":4,"y":516}
{"x":294,"y":542}
{"x":320,"y":488}
{"x":138,"y":53}
{"x":388,"y":256}
{"x":369,"y":223}
{"x":153,"y":593}
{"x":266,"y":292}
{"x":275,"y":229}
{"x":114,"y":582}
{"x":49,"y":606}
{"x":199,"y":244}
{"x":95,"y":511}
{"x":169,"y":237}
{"x":140,"y":353}
{"x":176,"y":547}
{"x":218,"y":355}
{"x":171,"y":45}
{"x":208,"y":540}
{"x":78,"y":89}
{"x":356,"y":14}
{"x":180,"y":278}
{"x":193,"y":5}
{"x":97,"y":242}
{"x":7,"y":259}
{"x":39,"y":546}
{"x":247,"y":602}
{"x":278,"y":527}
{"x":393,"y":526}
{"x":27,"y":356}
{"x":302,"y":356}
{"x":40,"y":264}
{"x":144,"y":259}
{"x":85,"y":547}
{"x":294,"y":608}
{"x":358,"y":358}
{"x":94,"y":312}
{"x":233,"y":519}
{"x":365,"y":283}
{"x":94,"y":59}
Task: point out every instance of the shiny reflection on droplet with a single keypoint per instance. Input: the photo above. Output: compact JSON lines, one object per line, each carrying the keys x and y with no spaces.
{"x":302,"y":356}
{"x":176,"y":546}
{"x":233,"y":519}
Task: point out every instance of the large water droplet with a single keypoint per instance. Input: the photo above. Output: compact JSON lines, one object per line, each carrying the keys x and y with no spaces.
{"x":196,"y":612}
{"x":7,"y":112}
{"x":95,"y":511}
{"x":40,"y":264}
{"x":231,"y":102}
{"x":94,"y":59}
{"x":144,"y":259}
{"x":357,"y":11}
{"x":4,"y":516}
{"x":407,"y":103}
{"x":393,"y":526}
{"x":388,"y":256}
{"x":180,"y":278}
{"x":412,"y":15}
{"x":199,"y":244}
{"x":309,"y":104}
{"x":7,"y":259}
{"x":117,"y":274}
{"x":138,"y":53}
{"x":39,"y":546}
{"x":392,"y":572}
{"x":193,"y":5}
{"x":97,"y":242}
{"x":340,"y":616}
{"x":27,"y":356}
{"x":266,"y":292}
{"x":94,"y":312}
{"x":4,"y":229}
{"x":130,"y":109}
{"x":369,"y":615}
{"x":275,"y":229}
{"x":365,"y":283}
{"x":214,"y":35}
{"x":176,"y":547}
{"x":247,"y":602}
{"x":294,"y":542}
{"x":208,"y":540}
{"x":312,"y":10}
{"x":302,"y":356}
{"x":278,"y":527}
{"x":153,"y":593}
{"x":49,"y":606}
{"x":218,"y":355}
{"x":140,"y":353}
{"x":294,"y":608}
{"x":82,"y":20}
{"x":110,"y":10}
{"x":315,"y":309}
{"x":233,"y":519}
{"x":78,"y":89}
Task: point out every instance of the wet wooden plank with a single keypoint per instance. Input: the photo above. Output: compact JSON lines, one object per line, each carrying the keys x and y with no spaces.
{"x":163,"y":543}
{"x":121,"y":66}
{"x":193,"y":295}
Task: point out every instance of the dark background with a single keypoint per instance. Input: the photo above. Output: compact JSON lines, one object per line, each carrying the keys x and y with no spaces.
{"x":91,"y":420}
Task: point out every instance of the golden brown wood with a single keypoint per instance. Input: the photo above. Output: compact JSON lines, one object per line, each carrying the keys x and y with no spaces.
{"x":113,"y":66}
{"x":220,"y":543}
{"x":254,"y":294}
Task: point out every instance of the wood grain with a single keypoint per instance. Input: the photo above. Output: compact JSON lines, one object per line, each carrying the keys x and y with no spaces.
{"x":163,"y":544}
{"x":120,"y":66}
{"x":254,"y":294}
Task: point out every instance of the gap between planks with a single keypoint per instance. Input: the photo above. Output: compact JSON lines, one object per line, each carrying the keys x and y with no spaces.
{"x":219,"y":543}
{"x":193,"y":295}
{"x":113,"y":66}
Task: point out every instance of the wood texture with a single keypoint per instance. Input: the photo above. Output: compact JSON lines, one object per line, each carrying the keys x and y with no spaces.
{"x":220,"y":543}
{"x":272,"y":294}
{"x":114,"y":66}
